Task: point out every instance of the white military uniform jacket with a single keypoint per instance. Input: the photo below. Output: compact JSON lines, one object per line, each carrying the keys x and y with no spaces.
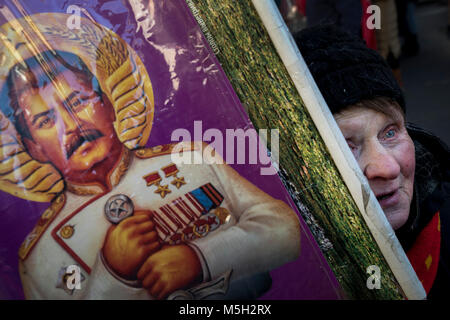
{"x":232,"y":225}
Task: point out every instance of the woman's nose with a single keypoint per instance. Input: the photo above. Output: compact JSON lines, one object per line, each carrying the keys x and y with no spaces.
{"x":380,"y":163}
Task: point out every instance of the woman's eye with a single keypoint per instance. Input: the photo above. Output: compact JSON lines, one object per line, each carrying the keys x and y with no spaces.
{"x":390,"y":134}
{"x":351,"y":145}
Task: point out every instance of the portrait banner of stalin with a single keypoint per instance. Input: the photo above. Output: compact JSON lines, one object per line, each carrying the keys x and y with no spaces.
{"x":92,"y":200}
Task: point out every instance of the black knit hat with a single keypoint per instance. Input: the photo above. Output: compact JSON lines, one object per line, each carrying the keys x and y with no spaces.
{"x":345,"y":70}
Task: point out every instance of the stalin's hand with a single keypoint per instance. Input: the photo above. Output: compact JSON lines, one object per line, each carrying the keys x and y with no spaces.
{"x":129,"y":244}
{"x":173,"y":267}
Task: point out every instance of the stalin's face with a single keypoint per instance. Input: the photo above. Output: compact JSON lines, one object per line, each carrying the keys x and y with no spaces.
{"x":70,"y":124}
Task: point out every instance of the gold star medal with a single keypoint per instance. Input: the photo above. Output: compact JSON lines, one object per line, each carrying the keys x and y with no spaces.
{"x":155,"y":179}
{"x":171,"y":171}
{"x":163,"y":190}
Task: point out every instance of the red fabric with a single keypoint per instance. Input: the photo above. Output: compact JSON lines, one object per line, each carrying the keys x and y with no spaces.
{"x":367,"y":34}
{"x":424,"y":255}
{"x":301,"y":5}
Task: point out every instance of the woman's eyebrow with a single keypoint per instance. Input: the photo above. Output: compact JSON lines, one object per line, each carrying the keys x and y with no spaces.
{"x":392,"y":122}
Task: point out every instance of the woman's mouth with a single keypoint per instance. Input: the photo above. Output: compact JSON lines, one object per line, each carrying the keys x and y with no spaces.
{"x":388,"y":199}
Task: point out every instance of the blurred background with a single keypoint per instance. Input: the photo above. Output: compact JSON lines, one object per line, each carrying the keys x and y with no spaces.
{"x":414,"y":38}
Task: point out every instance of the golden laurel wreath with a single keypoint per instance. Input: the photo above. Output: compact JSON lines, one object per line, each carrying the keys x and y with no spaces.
{"x":120,"y":72}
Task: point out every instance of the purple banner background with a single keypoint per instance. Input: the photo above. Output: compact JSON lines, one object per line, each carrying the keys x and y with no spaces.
{"x":188,"y":85}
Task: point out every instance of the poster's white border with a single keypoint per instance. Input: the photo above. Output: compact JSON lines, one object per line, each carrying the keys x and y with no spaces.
{"x":348,"y":167}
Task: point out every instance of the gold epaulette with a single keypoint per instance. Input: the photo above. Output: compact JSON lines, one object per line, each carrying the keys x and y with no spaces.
{"x":166,"y":149}
{"x":47,"y":217}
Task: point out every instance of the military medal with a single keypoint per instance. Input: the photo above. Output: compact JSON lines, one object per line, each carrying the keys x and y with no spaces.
{"x":118,"y":207}
{"x":172,"y":170}
{"x":155,"y":179}
{"x":191,"y":216}
{"x":200,"y":228}
{"x":212,"y":220}
{"x":187,"y":234}
{"x":222,"y":214}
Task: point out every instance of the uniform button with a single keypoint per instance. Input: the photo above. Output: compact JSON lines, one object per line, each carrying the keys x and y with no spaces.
{"x":67,"y":231}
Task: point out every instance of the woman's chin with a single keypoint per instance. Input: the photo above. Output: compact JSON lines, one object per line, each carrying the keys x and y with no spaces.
{"x":397,"y":218}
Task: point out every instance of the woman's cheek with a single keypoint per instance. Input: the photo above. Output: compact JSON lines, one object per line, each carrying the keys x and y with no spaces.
{"x":407,"y":160}
{"x":409,"y":156}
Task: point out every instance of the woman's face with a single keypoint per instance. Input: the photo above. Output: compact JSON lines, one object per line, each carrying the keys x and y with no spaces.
{"x":385,"y":154}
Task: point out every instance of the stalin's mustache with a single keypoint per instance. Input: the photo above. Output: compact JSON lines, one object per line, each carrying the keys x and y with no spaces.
{"x":78,"y":140}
